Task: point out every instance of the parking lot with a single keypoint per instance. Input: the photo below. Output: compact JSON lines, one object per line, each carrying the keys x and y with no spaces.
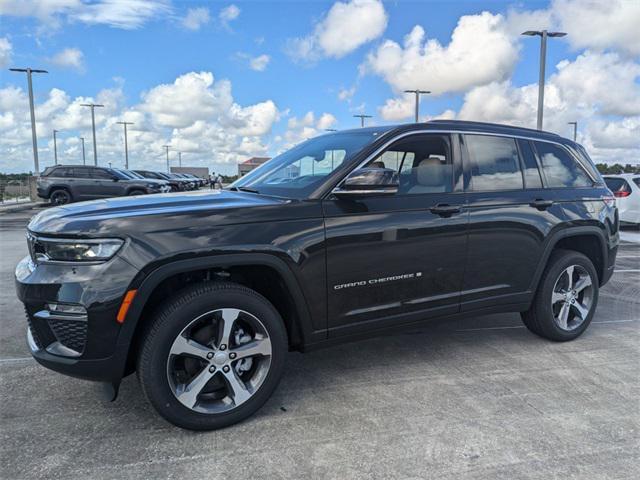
{"x":476,"y":398}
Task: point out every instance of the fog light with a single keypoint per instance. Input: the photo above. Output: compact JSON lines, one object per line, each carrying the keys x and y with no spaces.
{"x":64,"y":308}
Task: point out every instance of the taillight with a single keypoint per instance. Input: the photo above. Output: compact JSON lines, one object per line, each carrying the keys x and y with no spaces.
{"x":621,"y":194}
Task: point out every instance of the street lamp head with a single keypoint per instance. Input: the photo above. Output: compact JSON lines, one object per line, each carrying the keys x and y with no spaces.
{"x":531,"y":33}
{"x":32,"y":70}
{"x":556,"y":34}
{"x":539,"y":33}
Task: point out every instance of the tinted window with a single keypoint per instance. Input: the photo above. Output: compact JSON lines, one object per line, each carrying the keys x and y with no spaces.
{"x":423,"y":163}
{"x":530,"y":165}
{"x":637,"y":181}
{"x":560,"y":170}
{"x":101,"y":174}
{"x":61,"y":172}
{"x":299,"y":171}
{"x":494,"y":163}
{"x":617,"y":184}
{"x":79,"y":172}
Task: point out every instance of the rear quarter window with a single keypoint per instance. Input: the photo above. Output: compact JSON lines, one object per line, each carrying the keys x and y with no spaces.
{"x":560,"y":169}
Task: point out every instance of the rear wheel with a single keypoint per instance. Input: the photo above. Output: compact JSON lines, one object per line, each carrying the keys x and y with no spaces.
{"x":60,"y":197}
{"x":136,"y":192}
{"x":213,"y":357}
{"x":566,"y":298}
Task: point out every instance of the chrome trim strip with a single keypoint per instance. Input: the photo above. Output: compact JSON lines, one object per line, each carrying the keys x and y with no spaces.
{"x":47,"y":315}
{"x":461,"y":132}
{"x":31,"y":342}
{"x":56,"y":348}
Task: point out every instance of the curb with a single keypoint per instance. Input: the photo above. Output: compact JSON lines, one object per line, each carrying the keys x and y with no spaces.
{"x":17,"y":208}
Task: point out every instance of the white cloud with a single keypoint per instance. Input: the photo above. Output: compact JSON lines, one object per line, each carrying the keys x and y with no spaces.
{"x":259,"y":63}
{"x":69,"y":58}
{"x":196,"y":18}
{"x":195,"y":114}
{"x":346,"y":94}
{"x":228,"y":14}
{"x":396,"y":109}
{"x":599,"y":90}
{"x":347,"y":26}
{"x":301,"y":129}
{"x":6,"y":50}
{"x":125,"y":14}
{"x":600,"y":24}
{"x":481,"y":51}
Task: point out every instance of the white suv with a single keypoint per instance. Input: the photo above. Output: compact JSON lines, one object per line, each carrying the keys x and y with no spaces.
{"x":626,"y":189}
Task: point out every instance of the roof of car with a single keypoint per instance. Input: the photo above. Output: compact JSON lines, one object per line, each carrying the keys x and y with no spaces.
{"x":462,"y":125}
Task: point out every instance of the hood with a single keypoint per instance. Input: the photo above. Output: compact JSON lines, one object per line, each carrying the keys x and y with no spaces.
{"x":151,"y":213}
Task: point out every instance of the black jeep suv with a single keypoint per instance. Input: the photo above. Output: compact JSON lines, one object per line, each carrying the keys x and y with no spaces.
{"x":63,"y":184}
{"x":346,"y":235}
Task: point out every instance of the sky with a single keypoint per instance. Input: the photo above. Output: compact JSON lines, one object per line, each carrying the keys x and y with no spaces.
{"x":223,"y":81}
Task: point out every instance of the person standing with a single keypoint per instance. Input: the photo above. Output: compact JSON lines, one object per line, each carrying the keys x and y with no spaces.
{"x":219,"y":181}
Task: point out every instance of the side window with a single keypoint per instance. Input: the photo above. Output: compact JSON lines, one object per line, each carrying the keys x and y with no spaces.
{"x":63,"y":172}
{"x":494,"y":163}
{"x":529,"y":165}
{"x":101,"y":174}
{"x":560,"y":170}
{"x":80,"y":172}
{"x":423,"y":162}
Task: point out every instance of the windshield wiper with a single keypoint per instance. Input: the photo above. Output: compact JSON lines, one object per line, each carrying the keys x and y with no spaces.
{"x":244,"y":189}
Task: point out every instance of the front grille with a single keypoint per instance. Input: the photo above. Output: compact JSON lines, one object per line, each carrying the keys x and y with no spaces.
{"x":70,"y":333}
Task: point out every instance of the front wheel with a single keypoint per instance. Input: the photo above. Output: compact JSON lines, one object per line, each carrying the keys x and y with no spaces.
{"x":213,"y":356}
{"x":60,"y":197}
{"x":566,"y":299}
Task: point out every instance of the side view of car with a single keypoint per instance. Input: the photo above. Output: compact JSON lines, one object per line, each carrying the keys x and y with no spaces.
{"x":347,"y":235}
{"x":626,"y":189}
{"x":63,"y":184}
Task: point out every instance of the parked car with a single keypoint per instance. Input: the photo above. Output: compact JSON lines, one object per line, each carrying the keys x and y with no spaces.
{"x":164,"y":184}
{"x":347,"y":235}
{"x":175,"y":184}
{"x":191,"y":183}
{"x":63,"y":184}
{"x":626,"y":189}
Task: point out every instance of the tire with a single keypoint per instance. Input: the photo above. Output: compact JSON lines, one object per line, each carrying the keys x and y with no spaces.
{"x":136,"y":192}
{"x":60,"y":196}
{"x":562,"y":311}
{"x":195,"y":313}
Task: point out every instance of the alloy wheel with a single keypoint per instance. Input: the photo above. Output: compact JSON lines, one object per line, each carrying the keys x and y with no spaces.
{"x":219,"y":360}
{"x":572,"y":297}
{"x":60,"y":197}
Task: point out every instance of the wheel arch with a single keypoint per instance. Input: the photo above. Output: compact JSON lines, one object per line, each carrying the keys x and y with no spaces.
{"x":295,"y":315}
{"x":588,"y":240}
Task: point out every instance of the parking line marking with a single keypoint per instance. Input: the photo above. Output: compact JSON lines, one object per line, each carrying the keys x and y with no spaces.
{"x":627,"y":256}
{"x":522,"y":326}
{"x":623,"y":271}
{"x":21,"y":359}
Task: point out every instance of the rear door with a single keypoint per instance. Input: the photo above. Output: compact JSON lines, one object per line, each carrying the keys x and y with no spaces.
{"x":103,"y":184}
{"x":510,"y":216}
{"x":391,"y":259}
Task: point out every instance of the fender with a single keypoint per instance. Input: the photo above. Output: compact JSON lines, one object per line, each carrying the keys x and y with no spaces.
{"x":153,"y":279}
{"x":566,"y":233}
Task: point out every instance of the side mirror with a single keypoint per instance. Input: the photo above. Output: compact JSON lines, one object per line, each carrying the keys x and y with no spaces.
{"x":368,"y":181}
{"x":116,"y":179}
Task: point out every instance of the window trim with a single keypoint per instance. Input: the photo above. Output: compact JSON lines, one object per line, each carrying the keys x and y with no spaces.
{"x":326,"y":190}
{"x":545,"y":182}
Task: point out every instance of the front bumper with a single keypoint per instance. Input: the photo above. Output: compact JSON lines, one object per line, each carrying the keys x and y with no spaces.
{"x":83,"y":346}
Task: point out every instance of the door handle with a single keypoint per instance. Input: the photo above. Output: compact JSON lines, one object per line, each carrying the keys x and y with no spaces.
{"x":541,"y":204}
{"x":445,"y":210}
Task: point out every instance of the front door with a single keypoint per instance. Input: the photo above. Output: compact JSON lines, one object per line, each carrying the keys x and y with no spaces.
{"x":399,"y":258}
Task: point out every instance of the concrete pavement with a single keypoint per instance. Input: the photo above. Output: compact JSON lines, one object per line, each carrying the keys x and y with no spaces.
{"x":477,"y":398}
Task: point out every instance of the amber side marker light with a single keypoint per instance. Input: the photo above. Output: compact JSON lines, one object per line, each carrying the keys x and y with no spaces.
{"x":126,"y":303}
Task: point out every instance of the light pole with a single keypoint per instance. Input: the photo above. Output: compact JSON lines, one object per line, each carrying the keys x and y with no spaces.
{"x":55,"y":148}
{"x":362,"y":116}
{"x":543,"y":34}
{"x":166,"y":149}
{"x":126,"y":147}
{"x":34,"y":138}
{"x":93,"y":127}
{"x":575,"y":129}
{"x":417,"y":92}
{"x":179,"y":159}
{"x":84,"y":159}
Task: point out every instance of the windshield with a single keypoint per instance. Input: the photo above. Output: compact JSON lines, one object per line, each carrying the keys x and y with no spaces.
{"x":299,"y":171}
{"x":120,"y":174}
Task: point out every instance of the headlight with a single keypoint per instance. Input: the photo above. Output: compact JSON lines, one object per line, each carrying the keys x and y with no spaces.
{"x":153,"y":185}
{"x":67,"y":250}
